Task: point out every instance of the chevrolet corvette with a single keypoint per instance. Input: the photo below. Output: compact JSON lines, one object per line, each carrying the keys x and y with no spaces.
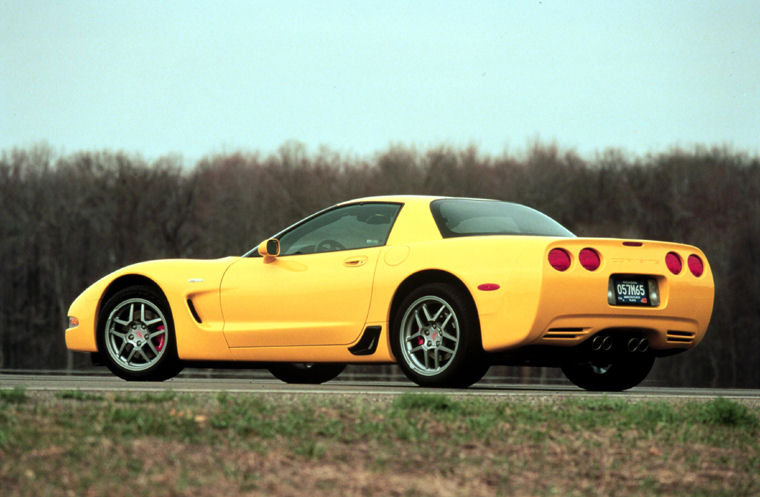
{"x":444,"y":287}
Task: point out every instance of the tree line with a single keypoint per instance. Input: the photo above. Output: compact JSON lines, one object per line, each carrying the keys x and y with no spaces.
{"x":68,"y":219}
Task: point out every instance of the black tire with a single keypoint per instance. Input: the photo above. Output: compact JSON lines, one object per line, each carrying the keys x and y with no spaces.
{"x":613,"y":374}
{"x":135,"y":335}
{"x":436,"y":337}
{"x":310,"y":373}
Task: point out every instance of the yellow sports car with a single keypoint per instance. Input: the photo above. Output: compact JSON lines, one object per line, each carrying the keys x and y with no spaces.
{"x":445,"y":287}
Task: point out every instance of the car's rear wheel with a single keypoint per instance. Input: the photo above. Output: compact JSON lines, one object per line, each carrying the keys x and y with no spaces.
{"x":312,"y":373}
{"x":136,"y":335}
{"x":436,"y":337}
{"x":612,"y":374}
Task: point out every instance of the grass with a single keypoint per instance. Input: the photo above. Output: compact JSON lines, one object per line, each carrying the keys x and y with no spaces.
{"x":17,"y":395}
{"x":162,"y":444}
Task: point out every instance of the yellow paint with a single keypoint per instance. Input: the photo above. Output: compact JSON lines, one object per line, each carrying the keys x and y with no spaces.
{"x":310,"y":299}
{"x":312,"y":307}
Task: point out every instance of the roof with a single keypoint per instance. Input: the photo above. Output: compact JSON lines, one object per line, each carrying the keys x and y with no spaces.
{"x":407,"y":199}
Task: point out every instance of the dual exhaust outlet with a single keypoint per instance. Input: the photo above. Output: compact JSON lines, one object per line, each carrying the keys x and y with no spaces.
{"x":604,"y":343}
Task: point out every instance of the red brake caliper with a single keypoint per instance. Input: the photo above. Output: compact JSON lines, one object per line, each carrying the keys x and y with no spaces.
{"x":161,"y":339}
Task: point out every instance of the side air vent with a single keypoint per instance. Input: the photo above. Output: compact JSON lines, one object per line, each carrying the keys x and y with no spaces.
{"x":193,"y":311}
{"x":564,"y":333}
{"x":368,"y":342}
{"x":675,"y":336}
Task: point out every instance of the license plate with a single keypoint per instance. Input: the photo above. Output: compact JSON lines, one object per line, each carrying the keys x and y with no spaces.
{"x":631,"y":291}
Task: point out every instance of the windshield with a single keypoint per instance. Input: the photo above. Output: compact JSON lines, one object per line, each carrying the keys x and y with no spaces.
{"x":470,"y":217}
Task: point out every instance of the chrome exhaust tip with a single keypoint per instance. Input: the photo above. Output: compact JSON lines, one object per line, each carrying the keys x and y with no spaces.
{"x":637,"y":345}
{"x":601,"y":343}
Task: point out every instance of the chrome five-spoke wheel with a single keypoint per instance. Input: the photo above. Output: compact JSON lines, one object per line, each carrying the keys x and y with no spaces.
{"x":430,"y":335}
{"x":135,"y":335}
{"x":436,"y":337}
{"x":136,"y":332}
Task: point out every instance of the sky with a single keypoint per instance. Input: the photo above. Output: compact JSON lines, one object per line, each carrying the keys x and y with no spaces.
{"x":195,"y":78}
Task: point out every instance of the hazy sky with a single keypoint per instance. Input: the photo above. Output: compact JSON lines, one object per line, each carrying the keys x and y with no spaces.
{"x":194,"y":78}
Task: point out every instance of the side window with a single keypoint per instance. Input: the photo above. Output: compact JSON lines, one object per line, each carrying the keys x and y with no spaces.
{"x":343,"y":228}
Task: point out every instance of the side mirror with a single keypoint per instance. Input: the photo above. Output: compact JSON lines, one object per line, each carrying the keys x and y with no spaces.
{"x":269,"y":249}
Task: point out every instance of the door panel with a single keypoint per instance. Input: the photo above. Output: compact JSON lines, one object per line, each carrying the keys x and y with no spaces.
{"x":307,"y":299}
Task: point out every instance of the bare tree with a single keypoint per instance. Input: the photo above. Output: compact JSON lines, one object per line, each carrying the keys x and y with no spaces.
{"x":66,"y":220}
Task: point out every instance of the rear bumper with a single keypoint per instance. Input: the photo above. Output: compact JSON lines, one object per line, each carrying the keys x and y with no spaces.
{"x":661,"y":332}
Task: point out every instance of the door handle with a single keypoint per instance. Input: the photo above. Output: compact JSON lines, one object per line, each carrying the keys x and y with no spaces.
{"x":355,"y":261}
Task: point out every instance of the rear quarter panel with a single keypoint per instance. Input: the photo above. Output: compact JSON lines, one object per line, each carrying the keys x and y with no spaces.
{"x":534,"y":298}
{"x":514,"y":263}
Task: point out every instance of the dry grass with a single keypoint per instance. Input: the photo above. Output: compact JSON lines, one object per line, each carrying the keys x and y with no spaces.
{"x":78,"y":444}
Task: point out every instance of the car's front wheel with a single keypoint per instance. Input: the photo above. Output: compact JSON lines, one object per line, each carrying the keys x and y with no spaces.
{"x":612,"y":374}
{"x":312,"y":373}
{"x":135,"y":335}
{"x":436,"y":337}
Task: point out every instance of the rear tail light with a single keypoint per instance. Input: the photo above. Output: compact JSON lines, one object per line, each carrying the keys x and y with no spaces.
{"x":696,"y":266}
{"x":559,"y":259}
{"x":589,"y":258}
{"x":674,"y":262}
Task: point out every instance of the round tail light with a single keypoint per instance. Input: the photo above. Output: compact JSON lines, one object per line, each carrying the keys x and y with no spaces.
{"x":589,"y":258}
{"x":559,"y":259}
{"x":696,"y":266}
{"x":674,"y":262}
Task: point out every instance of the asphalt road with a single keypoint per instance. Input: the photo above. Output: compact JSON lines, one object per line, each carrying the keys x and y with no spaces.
{"x":367,"y":387}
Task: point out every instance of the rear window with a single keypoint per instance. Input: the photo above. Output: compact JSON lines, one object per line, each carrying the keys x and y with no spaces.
{"x":469,"y":217}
